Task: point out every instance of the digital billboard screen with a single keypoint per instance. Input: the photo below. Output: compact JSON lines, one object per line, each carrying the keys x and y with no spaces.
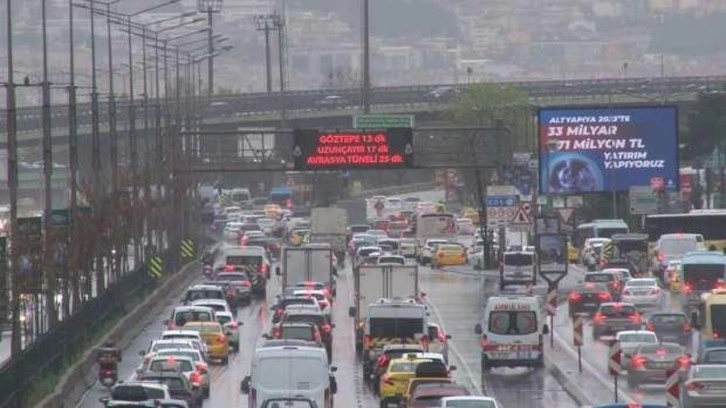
{"x":352,"y":149}
{"x":590,"y":150}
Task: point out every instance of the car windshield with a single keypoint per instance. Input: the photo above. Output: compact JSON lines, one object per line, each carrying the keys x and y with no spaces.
{"x":224,"y":319}
{"x":512,"y":322}
{"x":216,"y":306}
{"x":303,"y":318}
{"x":638,"y":338}
{"x":677,"y":246}
{"x":298,"y":332}
{"x":403,"y":367}
{"x":164,"y":346}
{"x":674,"y":319}
{"x":300,"y":301}
{"x":641,"y":283}
{"x":136,"y":393}
{"x":518,"y":259}
{"x":182,"y":318}
{"x":470,"y":404}
{"x":228,"y":277}
{"x":174,"y":383}
{"x":199,"y":294}
{"x":715,"y":356}
{"x":184,"y":366}
{"x":599,"y":277}
{"x":191,"y":354}
{"x":706,"y":371}
{"x":618,"y":311}
{"x":402,"y":328}
{"x":427,"y":401}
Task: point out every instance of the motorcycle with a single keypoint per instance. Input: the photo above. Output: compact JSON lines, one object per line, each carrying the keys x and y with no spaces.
{"x":108,"y":375}
{"x":208,"y":272}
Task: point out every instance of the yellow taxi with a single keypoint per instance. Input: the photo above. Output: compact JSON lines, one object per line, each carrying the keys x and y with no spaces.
{"x":273,"y":211}
{"x":297,"y":236}
{"x":394,"y":383}
{"x":449,"y":254}
{"x":213,"y":335}
{"x":573,"y":254}
{"x":471,"y":214}
{"x":674,"y":275}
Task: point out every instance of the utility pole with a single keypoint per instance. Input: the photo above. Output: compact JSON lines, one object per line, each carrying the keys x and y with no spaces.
{"x":16,"y":345}
{"x":48,"y":252}
{"x":113,"y":134}
{"x":366,"y":58}
{"x":263,"y":24}
{"x":280,"y":25}
{"x":210,"y":7}
{"x":72,"y":295}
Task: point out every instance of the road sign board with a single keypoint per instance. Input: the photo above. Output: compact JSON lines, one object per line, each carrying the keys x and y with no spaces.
{"x":577,"y":331}
{"x":382,"y":121}
{"x":552,"y":260}
{"x":502,"y":201}
{"x":614,"y":356}
{"x":527,"y":206}
{"x":497,"y":215}
{"x":521,"y":221}
{"x":156,"y":267}
{"x":566,"y":215}
{"x":501,"y":190}
{"x":575,"y":201}
{"x":643,"y":200}
{"x":30,"y":226}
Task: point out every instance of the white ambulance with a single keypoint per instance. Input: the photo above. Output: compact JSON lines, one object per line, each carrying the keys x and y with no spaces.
{"x":512,"y":332}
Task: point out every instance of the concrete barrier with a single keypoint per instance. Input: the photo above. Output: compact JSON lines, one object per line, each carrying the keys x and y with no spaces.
{"x":83,"y":374}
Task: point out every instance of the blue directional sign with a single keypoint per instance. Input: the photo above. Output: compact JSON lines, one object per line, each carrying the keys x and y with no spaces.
{"x":502,"y":201}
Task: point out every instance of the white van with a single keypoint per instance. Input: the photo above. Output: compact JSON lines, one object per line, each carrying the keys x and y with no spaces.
{"x":510,"y":333}
{"x":517,"y":268}
{"x":290,"y":371}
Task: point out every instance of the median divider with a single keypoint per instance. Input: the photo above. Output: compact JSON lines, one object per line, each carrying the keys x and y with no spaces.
{"x":84,"y":373}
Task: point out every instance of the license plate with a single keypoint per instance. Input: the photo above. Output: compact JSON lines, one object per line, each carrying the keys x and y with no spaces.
{"x":501,"y":355}
{"x":590,"y":304}
{"x":618,"y":328}
{"x":524,"y":354}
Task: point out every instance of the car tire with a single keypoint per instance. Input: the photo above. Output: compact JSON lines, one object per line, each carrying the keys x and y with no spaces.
{"x":206,"y":392}
{"x":384,"y":404}
{"x":485,"y":367}
{"x":225,"y":360}
{"x":540,"y":362}
{"x":502,"y":285}
{"x":235,"y":347}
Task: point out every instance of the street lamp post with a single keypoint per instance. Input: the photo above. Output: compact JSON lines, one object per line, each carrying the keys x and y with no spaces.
{"x":72,"y":295}
{"x":210,"y":7}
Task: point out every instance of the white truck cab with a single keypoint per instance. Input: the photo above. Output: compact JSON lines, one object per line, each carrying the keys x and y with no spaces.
{"x":290,"y":371}
{"x":512,"y":332}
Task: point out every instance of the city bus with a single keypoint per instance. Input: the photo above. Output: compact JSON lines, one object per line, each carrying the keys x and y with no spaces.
{"x":598,"y":229}
{"x":709,"y":223}
{"x":434,"y":225}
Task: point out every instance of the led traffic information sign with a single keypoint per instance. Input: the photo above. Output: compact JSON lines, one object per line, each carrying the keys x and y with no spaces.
{"x":353,"y":149}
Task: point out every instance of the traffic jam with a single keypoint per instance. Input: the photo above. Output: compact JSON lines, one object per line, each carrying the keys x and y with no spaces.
{"x":292,"y":308}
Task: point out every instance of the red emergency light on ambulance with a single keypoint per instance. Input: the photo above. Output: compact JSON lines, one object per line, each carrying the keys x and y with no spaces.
{"x":512,"y":332}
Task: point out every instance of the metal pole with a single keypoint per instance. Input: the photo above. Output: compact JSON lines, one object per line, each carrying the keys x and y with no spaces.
{"x":95,"y":131}
{"x":133,"y":152}
{"x":366,"y":58}
{"x":268,"y":56}
{"x":210,"y":61}
{"x":147,"y":145}
{"x":111,"y":106}
{"x":281,"y":57}
{"x":15,"y":345}
{"x":73,"y":168}
{"x":48,"y":253}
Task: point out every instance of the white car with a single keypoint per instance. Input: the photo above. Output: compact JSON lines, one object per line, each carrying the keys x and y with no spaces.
{"x":468,"y":402}
{"x":465,"y":226}
{"x":391,"y":260}
{"x":630,"y":340}
{"x":320,"y":297}
{"x":197,"y":358}
{"x":407,"y":247}
{"x":376,"y":233}
{"x":476,"y":257}
{"x":231,"y":328}
{"x":642,"y":292}
{"x":218,"y":305}
{"x":191,"y":336}
{"x":231,"y":231}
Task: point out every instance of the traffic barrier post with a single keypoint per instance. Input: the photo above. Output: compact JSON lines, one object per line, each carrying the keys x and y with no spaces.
{"x":578,"y":339}
{"x":615,"y":365}
{"x":551,"y":311}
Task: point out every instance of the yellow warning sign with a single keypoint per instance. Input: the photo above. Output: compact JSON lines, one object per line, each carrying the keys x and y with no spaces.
{"x":156,"y":267}
{"x":187,"y":249}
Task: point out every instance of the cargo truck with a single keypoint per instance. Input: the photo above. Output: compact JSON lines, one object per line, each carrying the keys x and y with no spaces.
{"x":375,"y":282}
{"x":308,"y":263}
{"x":329,"y":225}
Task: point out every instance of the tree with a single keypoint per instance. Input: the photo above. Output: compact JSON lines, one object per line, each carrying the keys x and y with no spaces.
{"x":706,"y":125}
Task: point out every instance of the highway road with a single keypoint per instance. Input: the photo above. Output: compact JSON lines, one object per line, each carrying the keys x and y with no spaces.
{"x":455,"y":297}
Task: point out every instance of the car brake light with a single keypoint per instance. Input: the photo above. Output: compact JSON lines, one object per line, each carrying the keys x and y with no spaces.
{"x":695,"y":386}
{"x":486,"y":345}
{"x":229,"y":268}
{"x":626,"y":293}
{"x":687,"y":288}
{"x":635,"y":318}
{"x":660,"y":257}
{"x":575,"y":297}
{"x":262,"y":267}
{"x":231,"y":293}
{"x":326,"y":328}
{"x":246,"y":284}
{"x":655,"y":291}
{"x":638,"y":362}
{"x":195,"y":379}
{"x":599,"y":318}
{"x":650,"y":326}
{"x":687,"y":327}
{"x":221,"y":338}
{"x":683,"y":362}
{"x":616,"y":284}
{"x":386,"y":379}
{"x":604,"y":296}
{"x":233,"y":325}
{"x":441,"y":336}
{"x":276,"y":333}
{"x":441,"y":255}
{"x":367,"y":340}
{"x":383,"y":361}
